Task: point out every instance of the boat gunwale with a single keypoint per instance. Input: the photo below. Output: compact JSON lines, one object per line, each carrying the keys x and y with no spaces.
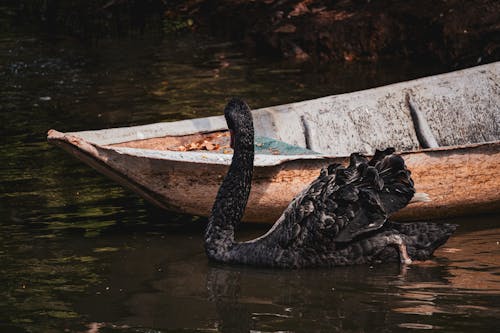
{"x":202,"y":157}
{"x":265,"y":160}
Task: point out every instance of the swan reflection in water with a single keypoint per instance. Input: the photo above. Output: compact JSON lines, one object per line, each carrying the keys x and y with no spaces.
{"x":457,"y":290}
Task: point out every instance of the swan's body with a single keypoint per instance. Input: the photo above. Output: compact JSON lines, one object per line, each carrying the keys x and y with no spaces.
{"x":341,"y":218}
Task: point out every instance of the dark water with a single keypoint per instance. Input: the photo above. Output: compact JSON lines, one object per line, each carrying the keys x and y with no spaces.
{"x":80,"y":254}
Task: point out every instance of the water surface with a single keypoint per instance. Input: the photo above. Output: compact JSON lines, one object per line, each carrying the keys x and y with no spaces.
{"x":80,"y":254}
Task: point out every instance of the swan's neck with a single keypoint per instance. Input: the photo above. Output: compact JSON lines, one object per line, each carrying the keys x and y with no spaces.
{"x":231,"y":199}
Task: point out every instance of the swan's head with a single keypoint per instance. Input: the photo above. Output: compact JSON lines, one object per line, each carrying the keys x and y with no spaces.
{"x":238,"y":118}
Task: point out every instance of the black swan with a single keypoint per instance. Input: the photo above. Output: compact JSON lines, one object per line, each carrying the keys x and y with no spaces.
{"x":341,"y":218}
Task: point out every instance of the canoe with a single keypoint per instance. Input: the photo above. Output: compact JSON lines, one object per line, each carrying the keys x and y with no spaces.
{"x":447,"y":127}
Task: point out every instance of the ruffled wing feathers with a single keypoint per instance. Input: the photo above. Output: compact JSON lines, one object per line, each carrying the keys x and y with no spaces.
{"x":345,"y":202}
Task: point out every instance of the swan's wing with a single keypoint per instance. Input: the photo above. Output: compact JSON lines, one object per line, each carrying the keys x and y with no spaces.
{"x":345,"y":202}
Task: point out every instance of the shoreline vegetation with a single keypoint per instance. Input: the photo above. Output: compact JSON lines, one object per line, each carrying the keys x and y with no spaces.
{"x":455,"y":33}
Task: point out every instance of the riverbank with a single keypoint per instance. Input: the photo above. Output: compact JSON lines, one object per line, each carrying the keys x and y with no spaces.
{"x":454,"y":32}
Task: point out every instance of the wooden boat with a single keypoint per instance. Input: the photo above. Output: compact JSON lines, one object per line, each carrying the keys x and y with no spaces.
{"x":447,"y":127}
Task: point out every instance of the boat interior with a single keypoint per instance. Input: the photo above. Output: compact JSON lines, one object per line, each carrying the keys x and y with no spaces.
{"x":214,"y":142}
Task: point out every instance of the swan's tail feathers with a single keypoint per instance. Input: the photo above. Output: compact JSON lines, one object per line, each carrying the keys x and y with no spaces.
{"x":397,"y":186}
{"x":424,"y":238}
{"x":420,"y":197}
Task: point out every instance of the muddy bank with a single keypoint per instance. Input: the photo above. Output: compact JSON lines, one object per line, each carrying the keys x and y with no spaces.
{"x":457,"y":33}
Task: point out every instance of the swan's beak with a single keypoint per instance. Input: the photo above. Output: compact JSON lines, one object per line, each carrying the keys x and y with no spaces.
{"x":231,"y":137}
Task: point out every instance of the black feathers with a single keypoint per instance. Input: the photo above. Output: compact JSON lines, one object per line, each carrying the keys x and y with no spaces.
{"x":345,"y":203}
{"x":359,"y":198}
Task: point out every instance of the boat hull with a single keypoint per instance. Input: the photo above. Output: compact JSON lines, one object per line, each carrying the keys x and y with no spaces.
{"x":462,"y":180}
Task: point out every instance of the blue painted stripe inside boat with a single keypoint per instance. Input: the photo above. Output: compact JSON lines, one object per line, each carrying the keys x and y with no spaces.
{"x":264,"y":145}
